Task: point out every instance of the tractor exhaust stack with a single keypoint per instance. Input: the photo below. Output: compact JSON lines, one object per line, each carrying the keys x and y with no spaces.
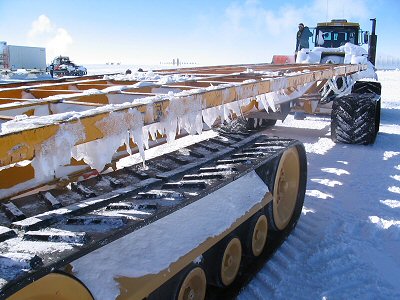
{"x":372,"y":43}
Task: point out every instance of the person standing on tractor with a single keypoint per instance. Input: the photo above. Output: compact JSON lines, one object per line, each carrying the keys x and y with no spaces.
{"x":302,"y":37}
{"x":51,"y":67}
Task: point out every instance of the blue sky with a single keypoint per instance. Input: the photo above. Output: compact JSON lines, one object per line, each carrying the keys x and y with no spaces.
{"x":203,"y":31}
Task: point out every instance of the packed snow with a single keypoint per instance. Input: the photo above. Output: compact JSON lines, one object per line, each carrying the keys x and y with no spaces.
{"x":347,"y":242}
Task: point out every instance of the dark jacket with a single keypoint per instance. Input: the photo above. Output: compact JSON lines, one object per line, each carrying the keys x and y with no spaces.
{"x":302,"y":38}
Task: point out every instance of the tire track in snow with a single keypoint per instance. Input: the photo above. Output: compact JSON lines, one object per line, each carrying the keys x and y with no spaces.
{"x":264,"y":283}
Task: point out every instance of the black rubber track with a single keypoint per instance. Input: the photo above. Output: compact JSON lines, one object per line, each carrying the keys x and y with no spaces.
{"x":354,"y":119}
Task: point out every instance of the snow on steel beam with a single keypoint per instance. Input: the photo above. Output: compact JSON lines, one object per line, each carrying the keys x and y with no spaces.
{"x":20,"y":140}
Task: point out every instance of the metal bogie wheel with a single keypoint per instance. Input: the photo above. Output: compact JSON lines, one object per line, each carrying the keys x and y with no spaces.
{"x":257,"y":236}
{"x":288,"y":191}
{"x":54,"y":286}
{"x":223,"y":262}
{"x":230,"y":262}
{"x":193,"y":286}
{"x":355,"y":119}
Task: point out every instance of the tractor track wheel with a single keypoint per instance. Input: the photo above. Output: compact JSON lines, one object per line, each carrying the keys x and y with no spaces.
{"x":193,"y":285}
{"x":355,"y":119}
{"x":223,"y":263}
{"x":257,"y":235}
{"x":288,"y":191}
{"x":54,"y":286}
{"x":230,"y":263}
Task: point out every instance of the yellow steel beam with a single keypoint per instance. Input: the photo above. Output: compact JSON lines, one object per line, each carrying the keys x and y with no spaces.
{"x":21,"y":145}
{"x":42,"y":93}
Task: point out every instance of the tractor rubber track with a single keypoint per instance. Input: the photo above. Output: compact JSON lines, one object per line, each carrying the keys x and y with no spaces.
{"x":85,"y":215}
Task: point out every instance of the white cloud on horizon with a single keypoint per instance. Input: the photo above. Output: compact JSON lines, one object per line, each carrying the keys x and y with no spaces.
{"x":40,"y":26}
{"x":44,"y":33}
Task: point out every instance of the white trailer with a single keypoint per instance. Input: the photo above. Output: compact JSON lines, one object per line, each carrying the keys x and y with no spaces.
{"x":24,"y":57}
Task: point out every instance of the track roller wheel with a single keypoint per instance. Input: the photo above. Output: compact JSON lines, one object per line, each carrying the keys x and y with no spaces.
{"x":230,"y":263}
{"x":287,"y":195}
{"x":258,"y":235}
{"x":193,"y":286}
{"x":54,"y":286}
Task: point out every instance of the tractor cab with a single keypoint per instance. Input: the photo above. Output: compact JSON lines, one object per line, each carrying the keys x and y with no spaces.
{"x":339,"y":32}
{"x":61,"y":60}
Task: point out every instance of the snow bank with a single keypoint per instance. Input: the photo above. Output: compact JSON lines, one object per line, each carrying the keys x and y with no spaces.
{"x":22,"y":75}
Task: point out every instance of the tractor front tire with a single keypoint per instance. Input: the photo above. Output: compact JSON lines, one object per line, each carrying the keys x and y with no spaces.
{"x":355,"y":119}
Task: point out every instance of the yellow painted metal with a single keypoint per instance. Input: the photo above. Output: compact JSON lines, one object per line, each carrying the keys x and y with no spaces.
{"x":54,"y":286}
{"x":23,"y":144}
{"x":97,"y":98}
{"x":19,"y":146}
{"x":9,"y":100}
{"x":18,"y":174}
{"x":194,"y":285}
{"x":97,"y":86}
{"x":286,"y":188}
{"x":231,"y":261}
{"x":121,"y":82}
{"x":307,"y":107}
{"x":144,"y":89}
{"x":25,"y":111}
{"x":211,"y":98}
{"x":43,"y":93}
{"x":259,"y":237}
{"x":80,"y":103}
{"x":339,"y":23}
{"x":63,"y":86}
{"x":11,"y":93}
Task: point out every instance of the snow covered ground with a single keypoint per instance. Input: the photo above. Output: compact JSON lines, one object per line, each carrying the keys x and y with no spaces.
{"x":347,"y":242}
